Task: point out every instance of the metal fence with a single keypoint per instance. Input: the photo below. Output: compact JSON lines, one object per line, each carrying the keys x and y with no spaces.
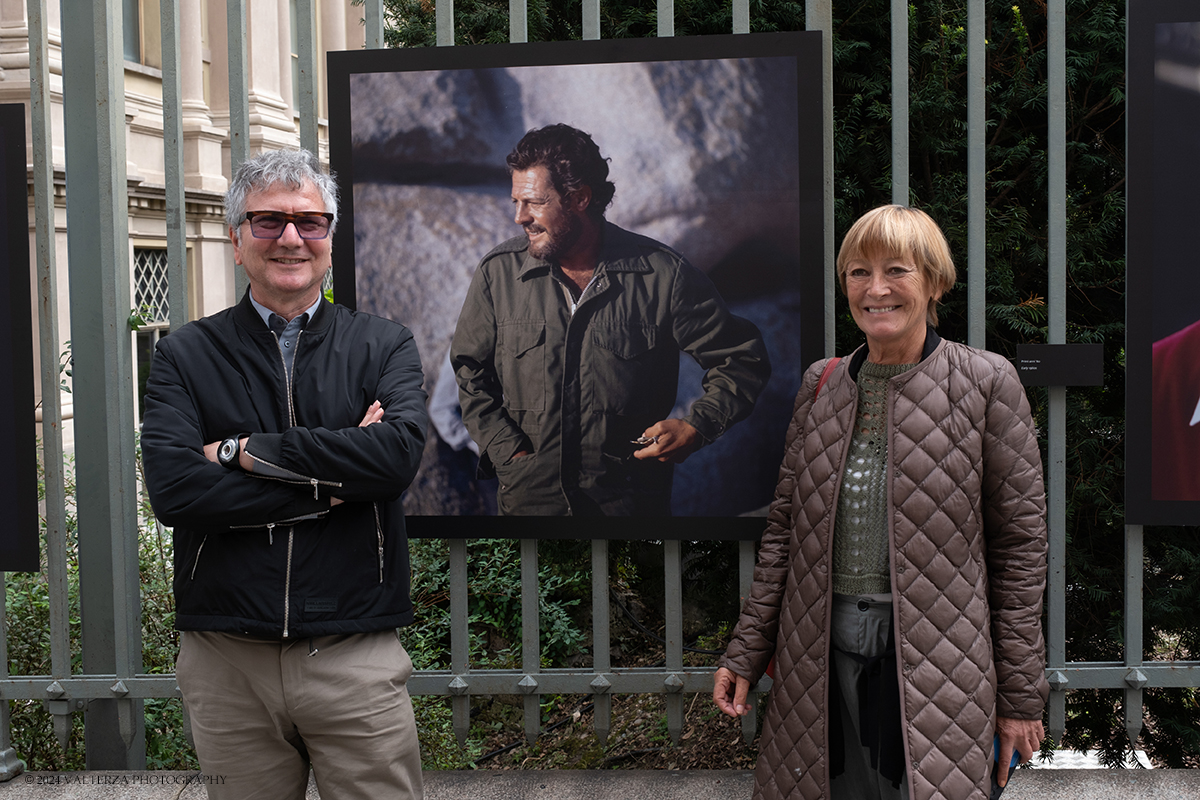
{"x":111,"y":686}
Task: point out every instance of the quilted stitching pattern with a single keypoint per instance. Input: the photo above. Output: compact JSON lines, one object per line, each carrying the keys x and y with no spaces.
{"x":964,"y":460}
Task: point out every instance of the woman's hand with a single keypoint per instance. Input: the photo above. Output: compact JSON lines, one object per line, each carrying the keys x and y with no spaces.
{"x":1022,"y":735}
{"x":730,"y":691}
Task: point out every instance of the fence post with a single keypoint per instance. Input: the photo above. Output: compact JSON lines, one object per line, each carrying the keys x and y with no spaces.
{"x":601,"y":640}
{"x":900,"y":157}
{"x":460,"y":641}
{"x":590,"y":20}
{"x":306,"y":34}
{"x":818,"y":16}
{"x":531,"y":652}
{"x":98,"y":265}
{"x":976,"y":175}
{"x":673,"y":627}
{"x":172,"y":68}
{"x":239,"y":107}
{"x":1135,"y":679}
{"x":49,"y":343}
{"x":374,"y":23}
{"x":1056,"y":78}
{"x":666,"y":18}
{"x":444,"y":17}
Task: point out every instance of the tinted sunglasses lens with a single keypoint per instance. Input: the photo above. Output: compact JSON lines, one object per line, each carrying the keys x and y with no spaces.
{"x":312,"y":227}
{"x":267,"y":226}
{"x":270,"y":226}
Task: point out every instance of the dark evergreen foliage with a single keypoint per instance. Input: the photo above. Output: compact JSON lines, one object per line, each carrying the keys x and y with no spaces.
{"x":1016,"y":256}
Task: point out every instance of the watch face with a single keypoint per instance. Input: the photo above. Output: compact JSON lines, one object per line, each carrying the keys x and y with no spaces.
{"x":227,"y":452}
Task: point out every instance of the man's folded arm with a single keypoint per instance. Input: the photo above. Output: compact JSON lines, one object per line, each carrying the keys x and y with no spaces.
{"x":372,"y":462}
{"x":185,"y":487}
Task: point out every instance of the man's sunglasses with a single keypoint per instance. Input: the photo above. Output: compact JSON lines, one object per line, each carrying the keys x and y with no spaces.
{"x":271,"y":224}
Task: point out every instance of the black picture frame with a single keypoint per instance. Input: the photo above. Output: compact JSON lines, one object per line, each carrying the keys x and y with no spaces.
{"x":20,"y":535}
{"x":1162,"y":276}
{"x":424,"y":195}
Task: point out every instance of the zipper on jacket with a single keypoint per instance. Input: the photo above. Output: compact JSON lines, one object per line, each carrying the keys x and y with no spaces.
{"x":287,"y":583}
{"x":270,"y":533}
{"x":288,"y":521}
{"x":296,"y":477}
{"x":196,"y":563}
{"x":287,"y":375}
{"x":379,"y":539}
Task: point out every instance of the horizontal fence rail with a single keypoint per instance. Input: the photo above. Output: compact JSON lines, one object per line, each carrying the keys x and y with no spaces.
{"x":66,"y":693}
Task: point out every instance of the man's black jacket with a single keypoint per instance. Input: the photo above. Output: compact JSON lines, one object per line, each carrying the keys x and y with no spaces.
{"x":269,"y":557}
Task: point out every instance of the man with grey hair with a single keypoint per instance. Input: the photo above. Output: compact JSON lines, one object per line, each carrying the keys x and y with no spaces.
{"x":277,"y":438}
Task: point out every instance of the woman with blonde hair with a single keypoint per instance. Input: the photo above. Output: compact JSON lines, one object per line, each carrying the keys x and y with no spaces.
{"x":899,"y":581}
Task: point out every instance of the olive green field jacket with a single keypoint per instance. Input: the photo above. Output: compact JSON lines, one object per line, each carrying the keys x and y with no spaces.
{"x":576,"y":389}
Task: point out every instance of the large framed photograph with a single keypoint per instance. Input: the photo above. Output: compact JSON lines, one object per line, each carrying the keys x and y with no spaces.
{"x":709,"y":264}
{"x":1162,"y":274}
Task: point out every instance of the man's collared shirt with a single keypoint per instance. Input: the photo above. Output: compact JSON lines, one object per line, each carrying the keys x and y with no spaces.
{"x":286,"y":332}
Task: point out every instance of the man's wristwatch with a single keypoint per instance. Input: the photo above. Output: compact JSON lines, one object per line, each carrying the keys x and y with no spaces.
{"x":228,"y":452}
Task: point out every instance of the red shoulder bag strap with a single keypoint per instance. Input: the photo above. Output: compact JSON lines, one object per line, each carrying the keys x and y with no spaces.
{"x":833,"y":362}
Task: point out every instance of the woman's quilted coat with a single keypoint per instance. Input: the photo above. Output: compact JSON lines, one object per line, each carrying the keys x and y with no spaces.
{"x":968,"y":553}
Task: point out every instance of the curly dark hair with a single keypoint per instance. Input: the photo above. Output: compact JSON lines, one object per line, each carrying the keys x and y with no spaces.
{"x":572,"y":159}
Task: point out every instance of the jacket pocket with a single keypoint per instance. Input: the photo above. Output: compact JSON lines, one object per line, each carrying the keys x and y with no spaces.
{"x":196,"y":562}
{"x":630,"y":373}
{"x":521,"y":363}
{"x":378,"y":539}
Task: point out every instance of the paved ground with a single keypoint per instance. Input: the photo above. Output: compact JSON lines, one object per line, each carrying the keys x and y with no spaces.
{"x":1039,"y":784}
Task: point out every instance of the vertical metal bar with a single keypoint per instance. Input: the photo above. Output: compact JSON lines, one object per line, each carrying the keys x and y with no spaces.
{"x":673,"y":613}
{"x":666,"y":18}
{"x":239,"y":85}
{"x":49,"y":344}
{"x":976,"y":175}
{"x":98,"y":263}
{"x":900,"y":102}
{"x":460,"y":642}
{"x":518,"y":21}
{"x":10,"y":764}
{"x":1056,"y":76}
{"x":591,"y":19}
{"x":444,"y":15}
{"x":818,"y":16}
{"x":239,"y":104}
{"x":48,"y":341}
{"x":1134,"y":553}
{"x":1056,"y":613}
{"x":746,"y":558}
{"x":306,"y":33}
{"x":172,"y":89}
{"x":531,"y":655}
{"x":602,"y":657}
{"x":741,"y":16}
{"x":374,"y":24}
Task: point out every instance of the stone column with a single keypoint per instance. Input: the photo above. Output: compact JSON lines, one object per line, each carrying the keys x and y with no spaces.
{"x":268,"y":30}
{"x":201,"y":138}
{"x":283,"y":44}
{"x":333,"y":37}
{"x":14,"y":44}
{"x":355,"y":30}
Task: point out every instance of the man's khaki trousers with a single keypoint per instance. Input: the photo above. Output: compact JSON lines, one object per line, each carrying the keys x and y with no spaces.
{"x":263,"y":711}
